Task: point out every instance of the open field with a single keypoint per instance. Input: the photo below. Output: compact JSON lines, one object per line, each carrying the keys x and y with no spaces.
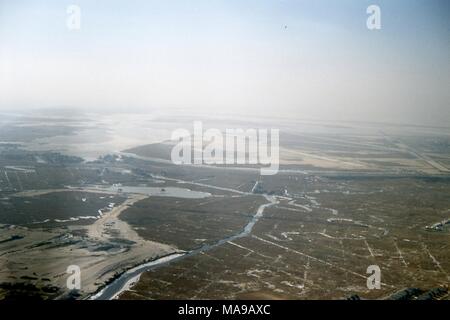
{"x":344,"y":198}
{"x":319,"y":244}
{"x":182,"y":222}
{"x":55,"y":208}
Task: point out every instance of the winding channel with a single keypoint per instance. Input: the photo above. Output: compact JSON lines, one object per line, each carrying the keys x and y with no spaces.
{"x":120,"y":284}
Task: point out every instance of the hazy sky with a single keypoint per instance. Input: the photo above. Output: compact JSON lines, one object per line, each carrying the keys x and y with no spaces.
{"x":298,"y":58}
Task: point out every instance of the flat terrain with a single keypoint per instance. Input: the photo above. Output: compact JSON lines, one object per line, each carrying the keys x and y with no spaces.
{"x":55,"y":208}
{"x":320,"y":243}
{"x":346,"y":197}
{"x":181,"y":222}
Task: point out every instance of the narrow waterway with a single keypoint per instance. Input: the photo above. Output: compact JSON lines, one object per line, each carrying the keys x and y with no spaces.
{"x":116,"y":287}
